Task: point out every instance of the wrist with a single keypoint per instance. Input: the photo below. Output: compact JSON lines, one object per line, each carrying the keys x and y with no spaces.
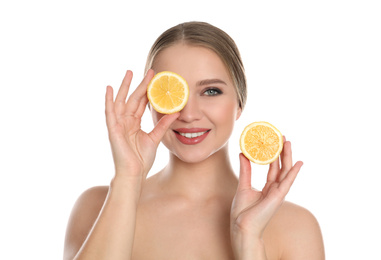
{"x":123,"y":177}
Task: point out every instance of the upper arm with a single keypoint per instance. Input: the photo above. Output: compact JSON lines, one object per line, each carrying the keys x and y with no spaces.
{"x":300,"y":234}
{"x":82,"y":218}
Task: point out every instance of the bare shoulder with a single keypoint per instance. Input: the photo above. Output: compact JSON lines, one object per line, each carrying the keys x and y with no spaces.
{"x":94,"y":194}
{"x":293,"y":215}
{"x":298,"y":233}
{"x":90,"y":201}
{"x":84,"y":213}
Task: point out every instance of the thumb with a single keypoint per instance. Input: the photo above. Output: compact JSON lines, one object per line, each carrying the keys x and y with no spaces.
{"x":162,"y":126}
{"x":244,"y":182}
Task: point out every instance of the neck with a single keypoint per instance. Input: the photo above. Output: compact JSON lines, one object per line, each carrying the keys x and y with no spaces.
{"x":209,"y":178}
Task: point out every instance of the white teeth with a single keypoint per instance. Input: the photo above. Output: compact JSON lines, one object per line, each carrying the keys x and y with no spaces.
{"x":192,"y":135}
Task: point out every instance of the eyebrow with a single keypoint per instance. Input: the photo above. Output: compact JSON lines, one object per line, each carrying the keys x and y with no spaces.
{"x":210,"y":82}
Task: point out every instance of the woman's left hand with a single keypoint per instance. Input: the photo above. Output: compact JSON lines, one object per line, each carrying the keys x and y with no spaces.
{"x":252,"y":210}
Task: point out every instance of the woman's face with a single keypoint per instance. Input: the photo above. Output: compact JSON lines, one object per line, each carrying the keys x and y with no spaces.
{"x":206,"y":122}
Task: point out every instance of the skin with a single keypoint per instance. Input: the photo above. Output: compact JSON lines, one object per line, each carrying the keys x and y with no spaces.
{"x":195,"y":208}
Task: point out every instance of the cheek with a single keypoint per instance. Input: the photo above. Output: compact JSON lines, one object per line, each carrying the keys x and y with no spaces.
{"x":225,"y":114}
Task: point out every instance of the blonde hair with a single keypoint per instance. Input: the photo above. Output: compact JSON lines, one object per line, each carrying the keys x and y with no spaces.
{"x":211,"y":37}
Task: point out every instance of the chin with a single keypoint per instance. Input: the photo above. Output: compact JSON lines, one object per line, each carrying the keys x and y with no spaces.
{"x":191,"y":157}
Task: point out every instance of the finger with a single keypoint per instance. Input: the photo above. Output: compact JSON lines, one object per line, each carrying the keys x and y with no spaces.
{"x":138,"y":98}
{"x":244,"y":182}
{"x":124,"y":87}
{"x":274,"y":170}
{"x":286,"y":159}
{"x":141,"y":107}
{"x":162,"y":126}
{"x":286,"y":183}
{"x":110,"y":111}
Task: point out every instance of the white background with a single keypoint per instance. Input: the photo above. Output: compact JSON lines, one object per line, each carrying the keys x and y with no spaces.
{"x":313,"y":69}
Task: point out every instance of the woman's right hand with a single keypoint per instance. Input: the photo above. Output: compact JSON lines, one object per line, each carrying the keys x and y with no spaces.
{"x":133,"y":150}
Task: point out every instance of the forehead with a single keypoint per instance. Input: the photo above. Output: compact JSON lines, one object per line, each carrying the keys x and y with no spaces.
{"x":192,"y":62}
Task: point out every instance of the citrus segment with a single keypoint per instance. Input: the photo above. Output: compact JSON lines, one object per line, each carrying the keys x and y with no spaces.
{"x":168,"y":92}
{"x":261,"y":142}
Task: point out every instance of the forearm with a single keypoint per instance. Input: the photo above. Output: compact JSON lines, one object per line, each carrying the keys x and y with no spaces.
{"x":246,"y":248}
{"x":113,"y":232}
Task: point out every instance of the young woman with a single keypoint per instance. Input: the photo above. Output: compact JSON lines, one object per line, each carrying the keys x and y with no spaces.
{"x":194,"y":208}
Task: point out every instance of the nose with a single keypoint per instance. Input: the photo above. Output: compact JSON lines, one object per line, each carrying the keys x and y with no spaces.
{"x":192,"y":110}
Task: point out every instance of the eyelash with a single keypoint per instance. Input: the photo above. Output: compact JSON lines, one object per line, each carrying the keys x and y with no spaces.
{"x":215,"y":90}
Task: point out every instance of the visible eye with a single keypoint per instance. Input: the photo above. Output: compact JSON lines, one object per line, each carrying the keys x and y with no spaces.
{"x":212,"y":92}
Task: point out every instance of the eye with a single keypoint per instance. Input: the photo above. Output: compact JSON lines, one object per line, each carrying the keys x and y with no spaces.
{"x":212,"y":92}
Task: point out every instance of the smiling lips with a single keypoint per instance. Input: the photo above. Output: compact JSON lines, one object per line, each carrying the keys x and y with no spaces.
{"x":190,"y":136}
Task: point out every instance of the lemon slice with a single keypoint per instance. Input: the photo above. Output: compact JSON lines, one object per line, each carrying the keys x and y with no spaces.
{"x":168,"y":92}
{"x":261,"y":142}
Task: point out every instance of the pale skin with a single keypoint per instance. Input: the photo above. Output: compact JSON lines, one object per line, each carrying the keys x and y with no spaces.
{"x":195,"y":208}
